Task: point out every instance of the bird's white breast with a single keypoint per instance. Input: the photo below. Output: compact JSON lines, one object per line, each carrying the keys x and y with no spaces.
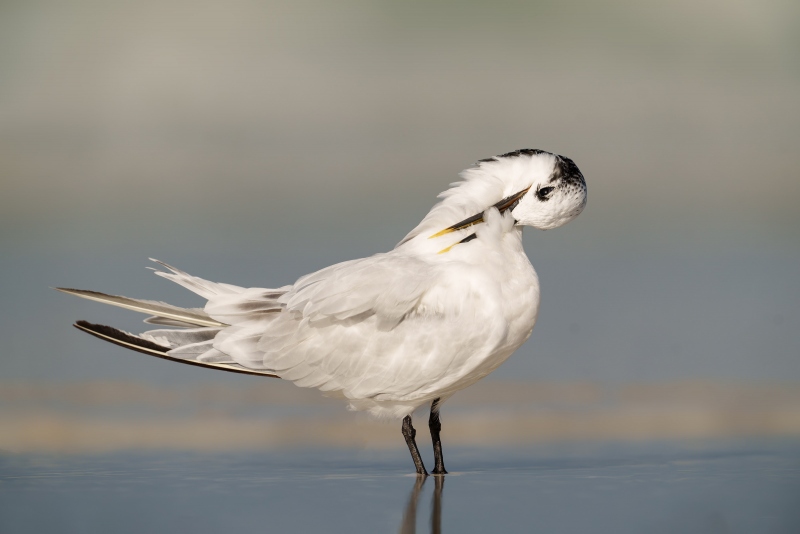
{"x":490,"y":291}
{"x":504,"y":265}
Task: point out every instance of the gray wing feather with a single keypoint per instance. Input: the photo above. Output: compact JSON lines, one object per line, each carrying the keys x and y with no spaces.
{"x":130,"y":341}
{"x":193,"y":316}
{"x":163,"y":321}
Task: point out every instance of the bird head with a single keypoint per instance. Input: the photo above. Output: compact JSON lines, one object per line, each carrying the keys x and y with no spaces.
{"x":556,"y":193}
{"x":544,"y":190}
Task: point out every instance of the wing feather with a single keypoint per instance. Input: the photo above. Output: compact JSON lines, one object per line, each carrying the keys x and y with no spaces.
{"x":193,"y":316}
{"x":387,"y":285}
{"x":130,"y":341}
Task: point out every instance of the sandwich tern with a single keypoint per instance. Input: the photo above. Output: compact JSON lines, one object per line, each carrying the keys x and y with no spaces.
{"x":394,"y":331}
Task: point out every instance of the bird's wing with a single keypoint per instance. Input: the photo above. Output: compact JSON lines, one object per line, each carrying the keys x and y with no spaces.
{"x":148,"y":346}
{"x":389,"y":325}
{"x":227,"y":304}
{"x":160,"y":310}
{"x":385,"y":285}
{"x":248,"y":304}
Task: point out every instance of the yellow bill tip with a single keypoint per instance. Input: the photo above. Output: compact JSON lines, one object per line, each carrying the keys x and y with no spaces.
{"x":443,"y":232}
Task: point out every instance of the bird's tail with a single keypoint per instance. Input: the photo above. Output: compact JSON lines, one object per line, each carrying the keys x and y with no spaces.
{"x":192,"y":342}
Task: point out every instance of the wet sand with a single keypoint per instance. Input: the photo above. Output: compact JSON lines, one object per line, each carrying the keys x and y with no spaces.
{"x":103,"y":417}
{"x":728,"y":486}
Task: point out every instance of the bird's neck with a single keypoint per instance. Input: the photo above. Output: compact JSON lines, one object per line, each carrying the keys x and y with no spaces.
{"x":473,"y":195}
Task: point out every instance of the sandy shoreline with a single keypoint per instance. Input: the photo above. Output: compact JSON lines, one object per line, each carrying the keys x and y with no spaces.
{"x":107,"y":416}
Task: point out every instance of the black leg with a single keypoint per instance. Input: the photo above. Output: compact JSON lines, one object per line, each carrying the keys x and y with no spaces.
{"x":436,"y":426}
{"x":409,"y":433}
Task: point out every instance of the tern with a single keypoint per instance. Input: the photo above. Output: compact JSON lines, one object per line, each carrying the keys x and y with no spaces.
{"x":394,"y":331}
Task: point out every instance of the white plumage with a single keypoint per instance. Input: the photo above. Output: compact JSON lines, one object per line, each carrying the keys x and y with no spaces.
{"x":391,"y":332}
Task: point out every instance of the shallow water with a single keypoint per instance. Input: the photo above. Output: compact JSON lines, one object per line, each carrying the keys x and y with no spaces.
{"x":723,"y":487}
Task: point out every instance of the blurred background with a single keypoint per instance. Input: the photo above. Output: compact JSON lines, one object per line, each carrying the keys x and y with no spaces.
{"x":252,"y":142}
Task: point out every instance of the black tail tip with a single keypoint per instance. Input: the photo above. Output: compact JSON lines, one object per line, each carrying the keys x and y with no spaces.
{"x":119,"y":337}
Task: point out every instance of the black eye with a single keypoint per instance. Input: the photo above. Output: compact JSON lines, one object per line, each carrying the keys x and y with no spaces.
{"x":542,"y":193}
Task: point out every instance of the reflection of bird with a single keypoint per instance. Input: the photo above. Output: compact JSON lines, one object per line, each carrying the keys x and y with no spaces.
{"x":389,"y":333}
{"x":409,"y":524}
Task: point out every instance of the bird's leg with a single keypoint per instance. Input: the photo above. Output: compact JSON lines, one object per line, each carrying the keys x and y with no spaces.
{"x":436,"y":426}
{"x":409,"y":433}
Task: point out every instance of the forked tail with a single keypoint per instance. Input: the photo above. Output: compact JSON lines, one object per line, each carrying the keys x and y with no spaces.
{"x":190,"y":343}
